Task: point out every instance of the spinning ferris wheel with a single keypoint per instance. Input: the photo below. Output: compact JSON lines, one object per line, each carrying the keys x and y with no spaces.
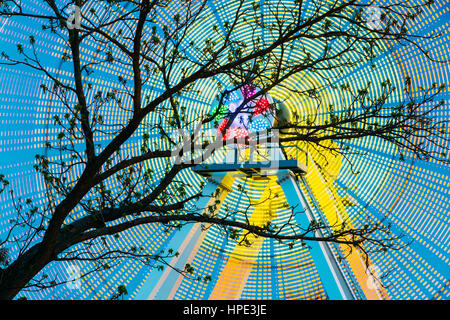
{"x":247,"y":111}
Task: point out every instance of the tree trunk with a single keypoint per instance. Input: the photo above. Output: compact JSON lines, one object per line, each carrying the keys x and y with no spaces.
{"x":20,"y":272}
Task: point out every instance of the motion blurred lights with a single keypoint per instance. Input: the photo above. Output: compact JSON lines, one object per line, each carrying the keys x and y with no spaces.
{"x":418,"y":190}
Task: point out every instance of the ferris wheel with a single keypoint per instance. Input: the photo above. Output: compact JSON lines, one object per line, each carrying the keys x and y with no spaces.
{"x":248,"y":112}
{"x":410,"y":195}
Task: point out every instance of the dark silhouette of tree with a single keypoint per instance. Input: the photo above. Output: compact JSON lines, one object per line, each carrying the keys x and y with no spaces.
{"x":86,"y":158}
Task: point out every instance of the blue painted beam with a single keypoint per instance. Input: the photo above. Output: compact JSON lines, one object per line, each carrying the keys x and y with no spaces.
{"x":329,"y":271}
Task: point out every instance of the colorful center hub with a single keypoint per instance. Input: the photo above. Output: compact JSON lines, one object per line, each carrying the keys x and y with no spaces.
{"x":246,"y":110}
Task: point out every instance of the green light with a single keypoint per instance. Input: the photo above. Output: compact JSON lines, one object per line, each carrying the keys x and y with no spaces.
{"x":223,"y":111}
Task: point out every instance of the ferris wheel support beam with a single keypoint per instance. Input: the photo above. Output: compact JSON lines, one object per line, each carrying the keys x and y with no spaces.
{"x":333,"y":280}
{"x":330,"y":273}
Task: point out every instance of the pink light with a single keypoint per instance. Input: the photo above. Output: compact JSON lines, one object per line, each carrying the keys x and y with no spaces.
{"x":239,"y":133}
{"x":248,"y":90}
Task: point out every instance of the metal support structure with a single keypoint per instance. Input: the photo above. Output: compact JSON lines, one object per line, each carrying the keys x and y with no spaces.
{"x":331,"y":275}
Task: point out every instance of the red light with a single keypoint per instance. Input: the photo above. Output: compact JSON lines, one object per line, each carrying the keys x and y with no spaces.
{"x":262,"y":105}
{"x":220,"y":129}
